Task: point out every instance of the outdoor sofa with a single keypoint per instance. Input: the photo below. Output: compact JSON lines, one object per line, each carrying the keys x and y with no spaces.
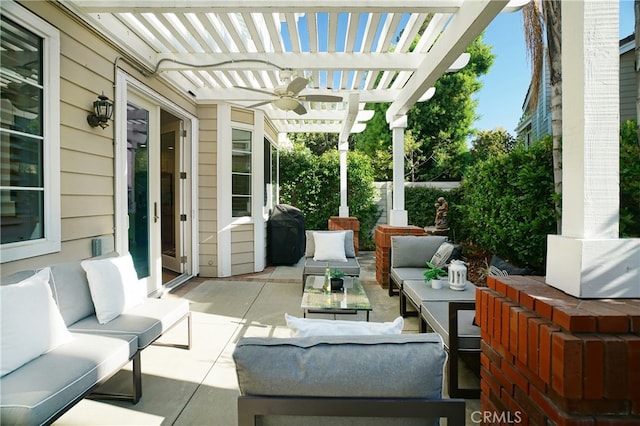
{"x":50,"y":316}
{"x":343,"y":380}
{"x":410,"y":254}
{"x":328,"y":251}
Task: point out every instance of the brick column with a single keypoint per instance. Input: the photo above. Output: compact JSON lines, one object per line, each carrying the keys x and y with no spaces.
{"x":337,"y":223}
{"x":550,"y":358}
{"x":383,"y":236}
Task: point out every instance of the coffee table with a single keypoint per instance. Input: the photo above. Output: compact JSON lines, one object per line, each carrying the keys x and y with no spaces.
{"x":349,"y":301}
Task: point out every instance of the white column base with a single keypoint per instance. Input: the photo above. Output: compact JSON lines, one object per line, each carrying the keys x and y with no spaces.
{"x":398,"y":218}
{"x":343,"y":211}
{"x":608,"y":268}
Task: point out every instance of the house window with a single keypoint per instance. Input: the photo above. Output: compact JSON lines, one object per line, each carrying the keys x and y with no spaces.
{"x":241,"y":173}
{"x":29,"y":135}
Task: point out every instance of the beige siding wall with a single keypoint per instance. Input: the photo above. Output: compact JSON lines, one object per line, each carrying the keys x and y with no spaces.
{"x":240,"y":115}
{"x":270,"y":131}
{"x":207,"y":187}
{"x":628,"y":87}
{"x":86,"y":153}
{"x":242,"y":253}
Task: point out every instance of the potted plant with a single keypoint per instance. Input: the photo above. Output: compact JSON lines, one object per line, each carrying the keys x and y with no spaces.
{"x":337,"y":279}
{"x":432,"y":275}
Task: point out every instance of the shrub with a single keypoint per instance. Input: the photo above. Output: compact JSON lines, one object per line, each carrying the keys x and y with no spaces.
{"x":312,"y":184}
{"x":629,"y":180}
{"x":507,"y":204}
{"x":419,"y":203}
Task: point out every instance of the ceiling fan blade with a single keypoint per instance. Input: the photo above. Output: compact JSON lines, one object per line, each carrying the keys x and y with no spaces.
{"x":297,"y":85}
{"x":321,"y":98}
{"x":259,"y":104}
{"x":256,"y":90}
{"x":300,"y":109}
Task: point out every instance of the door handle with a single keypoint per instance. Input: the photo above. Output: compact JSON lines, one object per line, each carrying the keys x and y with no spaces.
{"x":155,"y":213}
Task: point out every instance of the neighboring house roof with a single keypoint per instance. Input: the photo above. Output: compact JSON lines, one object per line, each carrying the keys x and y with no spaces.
{"x":359,"y":50}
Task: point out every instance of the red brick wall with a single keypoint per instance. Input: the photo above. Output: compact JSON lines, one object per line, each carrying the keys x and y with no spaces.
{"x":337,"y":223}
{"x":383,"y":236}
{"x":556,"y":359}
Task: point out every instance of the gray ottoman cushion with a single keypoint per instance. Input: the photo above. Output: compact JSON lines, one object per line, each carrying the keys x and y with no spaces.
{"x":437,"y":316}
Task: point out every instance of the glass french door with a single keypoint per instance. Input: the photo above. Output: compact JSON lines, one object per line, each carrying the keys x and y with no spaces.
{"x":143,"y":188}
{"x":171,"y":195}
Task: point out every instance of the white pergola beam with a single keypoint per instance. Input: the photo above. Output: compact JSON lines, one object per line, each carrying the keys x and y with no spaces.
{"x":350,"y":118}
{"x":240,"y":95}
{"x":270,"y":6}
{"x":467,"y":24}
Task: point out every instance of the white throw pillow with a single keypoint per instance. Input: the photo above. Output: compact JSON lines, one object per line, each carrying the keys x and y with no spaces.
{"x":31,"y":321}
{"x":329,"y":246}
{"x":114,"y":286}
{"x":304,"y":327}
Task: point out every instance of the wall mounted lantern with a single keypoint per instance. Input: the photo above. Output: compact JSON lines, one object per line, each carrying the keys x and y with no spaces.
{"x":102,"y":110}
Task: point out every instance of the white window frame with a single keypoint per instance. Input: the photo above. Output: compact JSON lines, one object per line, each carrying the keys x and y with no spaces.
{"x":272,"y":194}
{"x":51,"y":133}
{"x":250,"y":129}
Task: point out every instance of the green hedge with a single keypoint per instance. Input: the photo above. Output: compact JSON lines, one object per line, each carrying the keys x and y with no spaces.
{"x":419,"y":203}
{"x":629,"y":180}
{"x":507,"y":204}
{"x":312,"y":184}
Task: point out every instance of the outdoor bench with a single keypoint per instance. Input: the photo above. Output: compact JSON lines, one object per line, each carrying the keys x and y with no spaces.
{"x":325,"y":253}
{"x":454,"y":321}
{"x":46,"y":386}
{"x":410,"y":254}
{"x":343,"y":380}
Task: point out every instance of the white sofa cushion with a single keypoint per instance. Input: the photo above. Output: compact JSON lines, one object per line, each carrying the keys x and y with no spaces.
{"x":349,"y":247}
{"x":31,"y":322}
{"x":304,"y":327}
{"x":114,"y":286}
{"x":329,"y":246}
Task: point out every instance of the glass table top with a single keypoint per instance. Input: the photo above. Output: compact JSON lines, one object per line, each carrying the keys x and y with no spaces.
{"x":352,"y":297}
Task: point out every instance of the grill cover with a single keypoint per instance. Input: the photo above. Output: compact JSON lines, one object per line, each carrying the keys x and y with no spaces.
{"x":286,"y":241}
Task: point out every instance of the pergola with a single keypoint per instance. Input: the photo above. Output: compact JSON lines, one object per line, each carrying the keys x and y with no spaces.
{"x":361,"y":51}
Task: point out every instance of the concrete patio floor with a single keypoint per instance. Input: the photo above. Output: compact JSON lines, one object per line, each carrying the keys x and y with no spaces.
{"x":199,"y":386}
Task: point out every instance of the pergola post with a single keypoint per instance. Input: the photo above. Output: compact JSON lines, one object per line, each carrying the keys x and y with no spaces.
{"x":589,"y":259}
{"x":398,"y":214}
{"x":343,"y":147}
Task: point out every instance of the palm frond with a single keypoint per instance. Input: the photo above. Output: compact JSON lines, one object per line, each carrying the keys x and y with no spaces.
{"x":534,"y":41}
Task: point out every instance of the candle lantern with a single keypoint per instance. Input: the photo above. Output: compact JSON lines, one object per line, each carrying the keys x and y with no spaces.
{"x":457,"y":275}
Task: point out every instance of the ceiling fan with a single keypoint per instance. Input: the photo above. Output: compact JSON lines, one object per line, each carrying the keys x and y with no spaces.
{"x":287,"y":96}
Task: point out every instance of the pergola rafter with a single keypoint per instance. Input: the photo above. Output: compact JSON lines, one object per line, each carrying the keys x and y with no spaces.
{"x":212,"y":48}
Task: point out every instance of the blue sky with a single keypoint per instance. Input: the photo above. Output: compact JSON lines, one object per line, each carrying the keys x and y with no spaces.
{"x":504,"y":88}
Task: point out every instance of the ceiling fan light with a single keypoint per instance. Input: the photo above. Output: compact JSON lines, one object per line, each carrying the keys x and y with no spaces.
{"x":286,"y":104}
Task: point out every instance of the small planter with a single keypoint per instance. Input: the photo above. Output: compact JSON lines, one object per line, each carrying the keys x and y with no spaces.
{"x":436,"y":284}
{"x":337,"y":284}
